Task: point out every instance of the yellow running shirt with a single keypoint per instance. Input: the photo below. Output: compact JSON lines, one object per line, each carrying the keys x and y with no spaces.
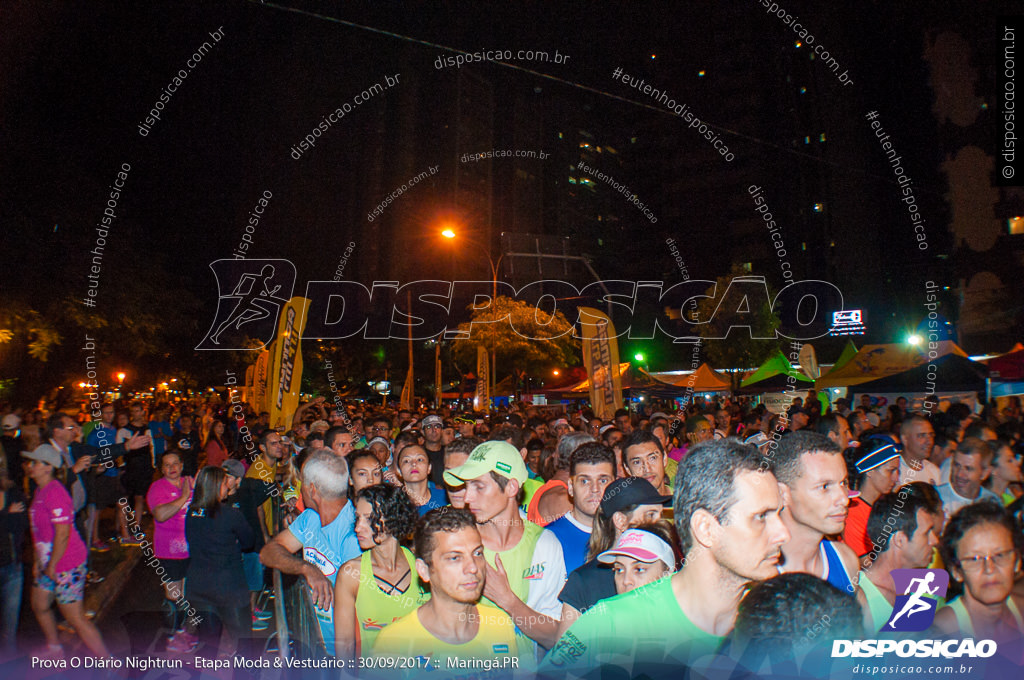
{"x":375,"y":609}
{"x":493,"y":652}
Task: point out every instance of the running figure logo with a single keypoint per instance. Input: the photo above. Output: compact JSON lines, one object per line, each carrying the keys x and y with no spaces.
{"x":258,"y":291}
{"x":914,"y":610}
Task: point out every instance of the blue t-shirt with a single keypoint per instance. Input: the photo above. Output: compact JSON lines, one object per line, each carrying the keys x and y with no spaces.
{"x":574,"y":540}
{"x":157,"y":428}
{"x":438,"y":499}
{"x":328,"y":547}
{"x":104,"y":437}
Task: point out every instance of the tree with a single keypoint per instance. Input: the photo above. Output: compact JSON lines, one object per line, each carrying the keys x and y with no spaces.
{"x":524,"y":337}
{"x":738,"y":308}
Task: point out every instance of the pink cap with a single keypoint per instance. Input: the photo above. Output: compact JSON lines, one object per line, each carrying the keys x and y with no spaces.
{"x":640,"y":545}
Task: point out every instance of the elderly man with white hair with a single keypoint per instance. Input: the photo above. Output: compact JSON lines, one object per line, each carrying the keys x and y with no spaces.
{"x":324,"y":532}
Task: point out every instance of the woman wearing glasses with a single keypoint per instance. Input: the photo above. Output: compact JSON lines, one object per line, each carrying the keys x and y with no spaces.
{"x":980,"y":551}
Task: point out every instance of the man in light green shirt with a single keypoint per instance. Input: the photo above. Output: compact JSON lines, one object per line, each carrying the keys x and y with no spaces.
{"x":726,"y":511}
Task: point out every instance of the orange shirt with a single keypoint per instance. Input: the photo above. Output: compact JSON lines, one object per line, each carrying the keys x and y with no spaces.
{"x":856,"y":533}
{"x":533,"y":509}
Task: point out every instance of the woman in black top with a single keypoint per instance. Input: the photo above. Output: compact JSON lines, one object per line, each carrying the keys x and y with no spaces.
{"x":13,"y":525}
{"x":217,"y":535}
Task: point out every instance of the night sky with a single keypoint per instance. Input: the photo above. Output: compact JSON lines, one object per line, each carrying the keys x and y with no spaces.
{"x":77,"y":81}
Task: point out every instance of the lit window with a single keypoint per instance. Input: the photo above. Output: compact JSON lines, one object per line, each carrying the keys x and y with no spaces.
{"x":803,"y":90}
{"x":700,"y":73}
{"x":821,"y":137}
{"x":1016,"y":225}
{"x":747,"y":267}
{"x":560,"y":135}
{"x":818,"y":207}
{"x":807,"y":140}
{"x":798,"y":44}
{"x":984,"y":106}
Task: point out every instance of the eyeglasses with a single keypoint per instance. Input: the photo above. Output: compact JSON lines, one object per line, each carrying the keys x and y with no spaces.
{"x":977,"y":562}
{"x":432,"y":427}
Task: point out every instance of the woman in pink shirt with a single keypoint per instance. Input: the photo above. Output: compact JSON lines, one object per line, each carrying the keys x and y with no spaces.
{"x":59,"y":566}
{"x":168,"y":499}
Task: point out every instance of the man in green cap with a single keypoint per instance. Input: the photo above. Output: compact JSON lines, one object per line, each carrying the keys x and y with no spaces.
{"x":525,"y":566}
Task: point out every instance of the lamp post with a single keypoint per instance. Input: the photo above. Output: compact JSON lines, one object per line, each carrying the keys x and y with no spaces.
{"x":449,"y":233}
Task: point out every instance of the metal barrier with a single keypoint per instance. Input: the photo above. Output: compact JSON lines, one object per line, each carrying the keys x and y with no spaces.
{"x":298,"y":631}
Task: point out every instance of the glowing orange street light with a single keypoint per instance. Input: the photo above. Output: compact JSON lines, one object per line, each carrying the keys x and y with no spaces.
{"x":555,"y":372}
{"x":121,"y":377}
{"x":448,"y":233}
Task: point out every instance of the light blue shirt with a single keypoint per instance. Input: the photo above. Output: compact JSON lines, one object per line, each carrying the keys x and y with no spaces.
{"x":328,"y":547}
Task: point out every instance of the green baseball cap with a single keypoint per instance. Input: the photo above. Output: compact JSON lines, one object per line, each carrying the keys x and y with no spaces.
{"x":495,"y":456}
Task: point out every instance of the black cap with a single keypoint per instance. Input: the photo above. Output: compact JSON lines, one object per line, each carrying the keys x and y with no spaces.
{"x":630,"y":491}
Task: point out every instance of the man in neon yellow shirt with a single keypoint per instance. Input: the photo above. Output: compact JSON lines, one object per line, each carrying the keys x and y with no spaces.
{"x":727,"y":512}
{"x":452,"y":634}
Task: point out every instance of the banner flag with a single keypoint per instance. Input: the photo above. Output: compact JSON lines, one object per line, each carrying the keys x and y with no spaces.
{"x":482,"y":397}
{"x":601,"y":358}
{"x":285,"y":375}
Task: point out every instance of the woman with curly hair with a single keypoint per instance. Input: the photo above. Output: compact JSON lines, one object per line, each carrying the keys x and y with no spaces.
{"x":381,"y":586}
{"x":981,"y":550}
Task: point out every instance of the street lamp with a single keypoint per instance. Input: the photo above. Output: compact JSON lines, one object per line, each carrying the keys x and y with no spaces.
{"x":449,"y":233}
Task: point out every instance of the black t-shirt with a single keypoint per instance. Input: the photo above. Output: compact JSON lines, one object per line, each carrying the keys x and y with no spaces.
{"x":138,"y":461}
{"x":215,"y":546}
{"x":12,"y":526}
{"x":13,"y":446}
{"x":251,"y":494}
{"x":436,"y":459}
{"x":587,"y":585}
{"x":188,"y":443}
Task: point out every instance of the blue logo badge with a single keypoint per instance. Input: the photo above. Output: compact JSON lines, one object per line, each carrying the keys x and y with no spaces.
{"x":914,"y":610}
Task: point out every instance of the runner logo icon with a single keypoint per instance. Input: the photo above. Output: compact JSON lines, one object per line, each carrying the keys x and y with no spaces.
{"x":914,"y":610}
{"x":252,"y":293}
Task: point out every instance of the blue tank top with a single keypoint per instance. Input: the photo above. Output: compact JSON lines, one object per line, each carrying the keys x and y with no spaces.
{"x":836,"y":571}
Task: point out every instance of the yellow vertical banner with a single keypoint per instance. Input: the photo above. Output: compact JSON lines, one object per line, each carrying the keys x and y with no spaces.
{"x":601,"y":359}
{"x":286,"y":363}
{"x":261,"y":373}
{"x":482,"y":396}
{"x":405,"y":401}
{"x":437,"y":374}
{"x":247,"y":388}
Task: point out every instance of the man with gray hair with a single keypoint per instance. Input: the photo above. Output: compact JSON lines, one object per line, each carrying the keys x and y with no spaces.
{"x":324,"y":532}
{"x":727,"y":512}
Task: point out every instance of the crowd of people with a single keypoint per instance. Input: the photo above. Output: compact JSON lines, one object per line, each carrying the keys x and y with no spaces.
{"x":532,"y":539}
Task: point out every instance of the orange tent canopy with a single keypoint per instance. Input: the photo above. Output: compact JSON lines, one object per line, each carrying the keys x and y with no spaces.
{"x":704,"y":379}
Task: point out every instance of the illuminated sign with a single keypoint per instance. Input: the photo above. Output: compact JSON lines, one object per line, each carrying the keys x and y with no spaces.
{"x":847,"y":322}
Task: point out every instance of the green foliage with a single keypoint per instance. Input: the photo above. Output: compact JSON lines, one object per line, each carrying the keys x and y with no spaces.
{"x":526,"y":338}
{"x":738,"y":349}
